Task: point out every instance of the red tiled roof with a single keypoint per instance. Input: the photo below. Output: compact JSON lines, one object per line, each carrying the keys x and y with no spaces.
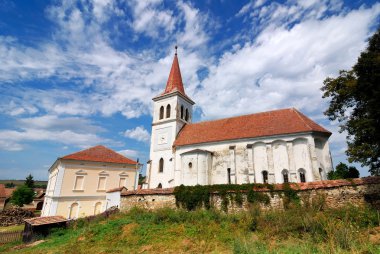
{"x":174,"y":82}
{"x":45,"y":220}
{"x":2,"y":191}
{"x":279,"y":187}
{"x":117,"y":189}
{"x":149,"y":192}
{"x":99,"y":154}
{"x":271,"y":123}
{"x":9,"y":192}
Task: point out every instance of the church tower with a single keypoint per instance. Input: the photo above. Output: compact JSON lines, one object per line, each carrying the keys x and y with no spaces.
{"x":172,"y":110}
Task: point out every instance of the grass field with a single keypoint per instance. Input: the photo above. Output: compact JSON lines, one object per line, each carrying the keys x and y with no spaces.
{"x":348,"y":230}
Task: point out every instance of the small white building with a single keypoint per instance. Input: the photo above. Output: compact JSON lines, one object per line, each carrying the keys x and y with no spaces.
{"x":269,"y":147}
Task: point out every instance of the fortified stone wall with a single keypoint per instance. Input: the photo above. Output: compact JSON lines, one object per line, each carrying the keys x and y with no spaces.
{"x":330,"y":194}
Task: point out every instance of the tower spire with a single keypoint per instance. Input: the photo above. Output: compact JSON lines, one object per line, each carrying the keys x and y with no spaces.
{"x":174,"y":82}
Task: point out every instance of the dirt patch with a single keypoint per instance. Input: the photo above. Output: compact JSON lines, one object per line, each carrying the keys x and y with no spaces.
{"x":374,"y":235}
{"x":128,"y":229}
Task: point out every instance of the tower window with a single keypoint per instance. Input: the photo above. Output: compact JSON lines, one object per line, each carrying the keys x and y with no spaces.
{"x":190,"y":165}
{"x":265,"y":176}
{"x":159,"y":186}
{"x":302,"y":175}
{"x":181,"y":111}
{"x":187,"y":115}
{"x":161,"y":166}
{"x":161,"y":112}
{"x":168,"y":111}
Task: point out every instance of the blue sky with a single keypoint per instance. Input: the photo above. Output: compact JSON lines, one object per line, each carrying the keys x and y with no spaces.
{"x":74,"y":74}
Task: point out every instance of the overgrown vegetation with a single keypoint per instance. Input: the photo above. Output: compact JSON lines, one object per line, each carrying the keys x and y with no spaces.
{"x":193,"y":197}
{"x":296,"y":230}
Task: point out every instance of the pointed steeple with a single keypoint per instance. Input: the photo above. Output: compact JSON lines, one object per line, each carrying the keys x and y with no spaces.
{"x":175,"y":79}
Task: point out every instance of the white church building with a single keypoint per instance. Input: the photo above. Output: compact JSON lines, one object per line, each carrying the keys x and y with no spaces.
{"x":270,"y":147}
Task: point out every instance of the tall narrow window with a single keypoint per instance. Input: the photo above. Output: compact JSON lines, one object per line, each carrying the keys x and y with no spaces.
{"x":229,"y":175}
{"x":265,"y":176}
{"x":168,"y":111}
{"x":181,"y":111}
{"x":102,"y":183}
{"x":187,"y":115}
{"x":321,"y":173}
{"x":79,"y":183}
{"x":161,"y":112}
{"x":122,"y":182}
{"x":161,"y":166}
{"x":159,"y":186}
{"x":302,"y":175}
{"x":285,"y":175}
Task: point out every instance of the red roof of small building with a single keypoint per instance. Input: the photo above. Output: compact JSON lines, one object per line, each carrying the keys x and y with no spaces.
{"x":271,"y":123}
{"x":2,"y":191}
{"x":99,"y":154}
{"x":45,"y":220}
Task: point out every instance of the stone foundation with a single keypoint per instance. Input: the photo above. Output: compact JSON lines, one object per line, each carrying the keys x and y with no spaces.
{"x":329,"y":194}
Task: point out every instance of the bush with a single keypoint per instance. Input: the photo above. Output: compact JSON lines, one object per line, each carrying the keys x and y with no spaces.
{"x":22,"y":195}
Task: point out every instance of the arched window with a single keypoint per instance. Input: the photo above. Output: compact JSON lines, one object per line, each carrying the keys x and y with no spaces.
{"x":285,"y":175}
{"x":265,"y":176}
{"x":161,"y":112}
{"x":168,"y":111}
{"x":161,"y":166}
{"x":187,"y":115}
{"x":181,"y":111}
{"x":97,"y":208}
{"x":302,"y":174}
{"x":190,"y":165}
{"x":74,"y":208}
{"x":159,"y":186}
{"x":321,"y":173}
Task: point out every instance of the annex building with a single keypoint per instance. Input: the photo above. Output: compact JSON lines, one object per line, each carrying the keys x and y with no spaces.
{"x":270,"y":147}
{"x":88,"y":182}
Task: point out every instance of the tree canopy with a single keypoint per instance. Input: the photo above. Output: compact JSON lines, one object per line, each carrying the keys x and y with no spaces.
{"x":355,"y":103}
{"x":342,"y":171}
{"x":22,"y":195}
{"x":29,"y":182}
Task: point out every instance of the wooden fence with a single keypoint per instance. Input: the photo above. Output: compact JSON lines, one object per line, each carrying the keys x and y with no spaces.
{"x":11,"y":236}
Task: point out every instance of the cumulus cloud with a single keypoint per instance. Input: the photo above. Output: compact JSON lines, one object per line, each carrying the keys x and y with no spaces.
{"x":132,"y":154}
{"x":139,"y":133}
{"x":67,"y":131}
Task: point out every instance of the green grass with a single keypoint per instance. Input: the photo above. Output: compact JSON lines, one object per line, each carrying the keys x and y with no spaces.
{"x":12,"y":228}
{"x":296,"y":230}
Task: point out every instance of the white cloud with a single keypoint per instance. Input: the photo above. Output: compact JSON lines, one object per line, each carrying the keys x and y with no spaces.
{"x":151,"y":19}
{"x":72,"y":131}
{"x":132,"y":154}
{"x":285,"y":67}
{"x":139,"y":133}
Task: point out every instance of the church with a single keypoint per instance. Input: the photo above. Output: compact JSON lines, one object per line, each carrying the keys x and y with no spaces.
{"x":277,"y":146}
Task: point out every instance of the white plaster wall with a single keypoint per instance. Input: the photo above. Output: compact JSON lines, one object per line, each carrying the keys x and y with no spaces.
{"x":280,"y":159}
{"x":112,"y":199}
{"x":269,"y":153}
{"x":302,"y":158}
{"x":260,"y":160}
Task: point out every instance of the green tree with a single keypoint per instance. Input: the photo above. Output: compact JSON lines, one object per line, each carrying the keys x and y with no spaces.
{"x":29,"y":182}
{"x":22,"y":195}
{"x":342,"y":171}
{"x":10,"y":185}
{"x":355,"y":103}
